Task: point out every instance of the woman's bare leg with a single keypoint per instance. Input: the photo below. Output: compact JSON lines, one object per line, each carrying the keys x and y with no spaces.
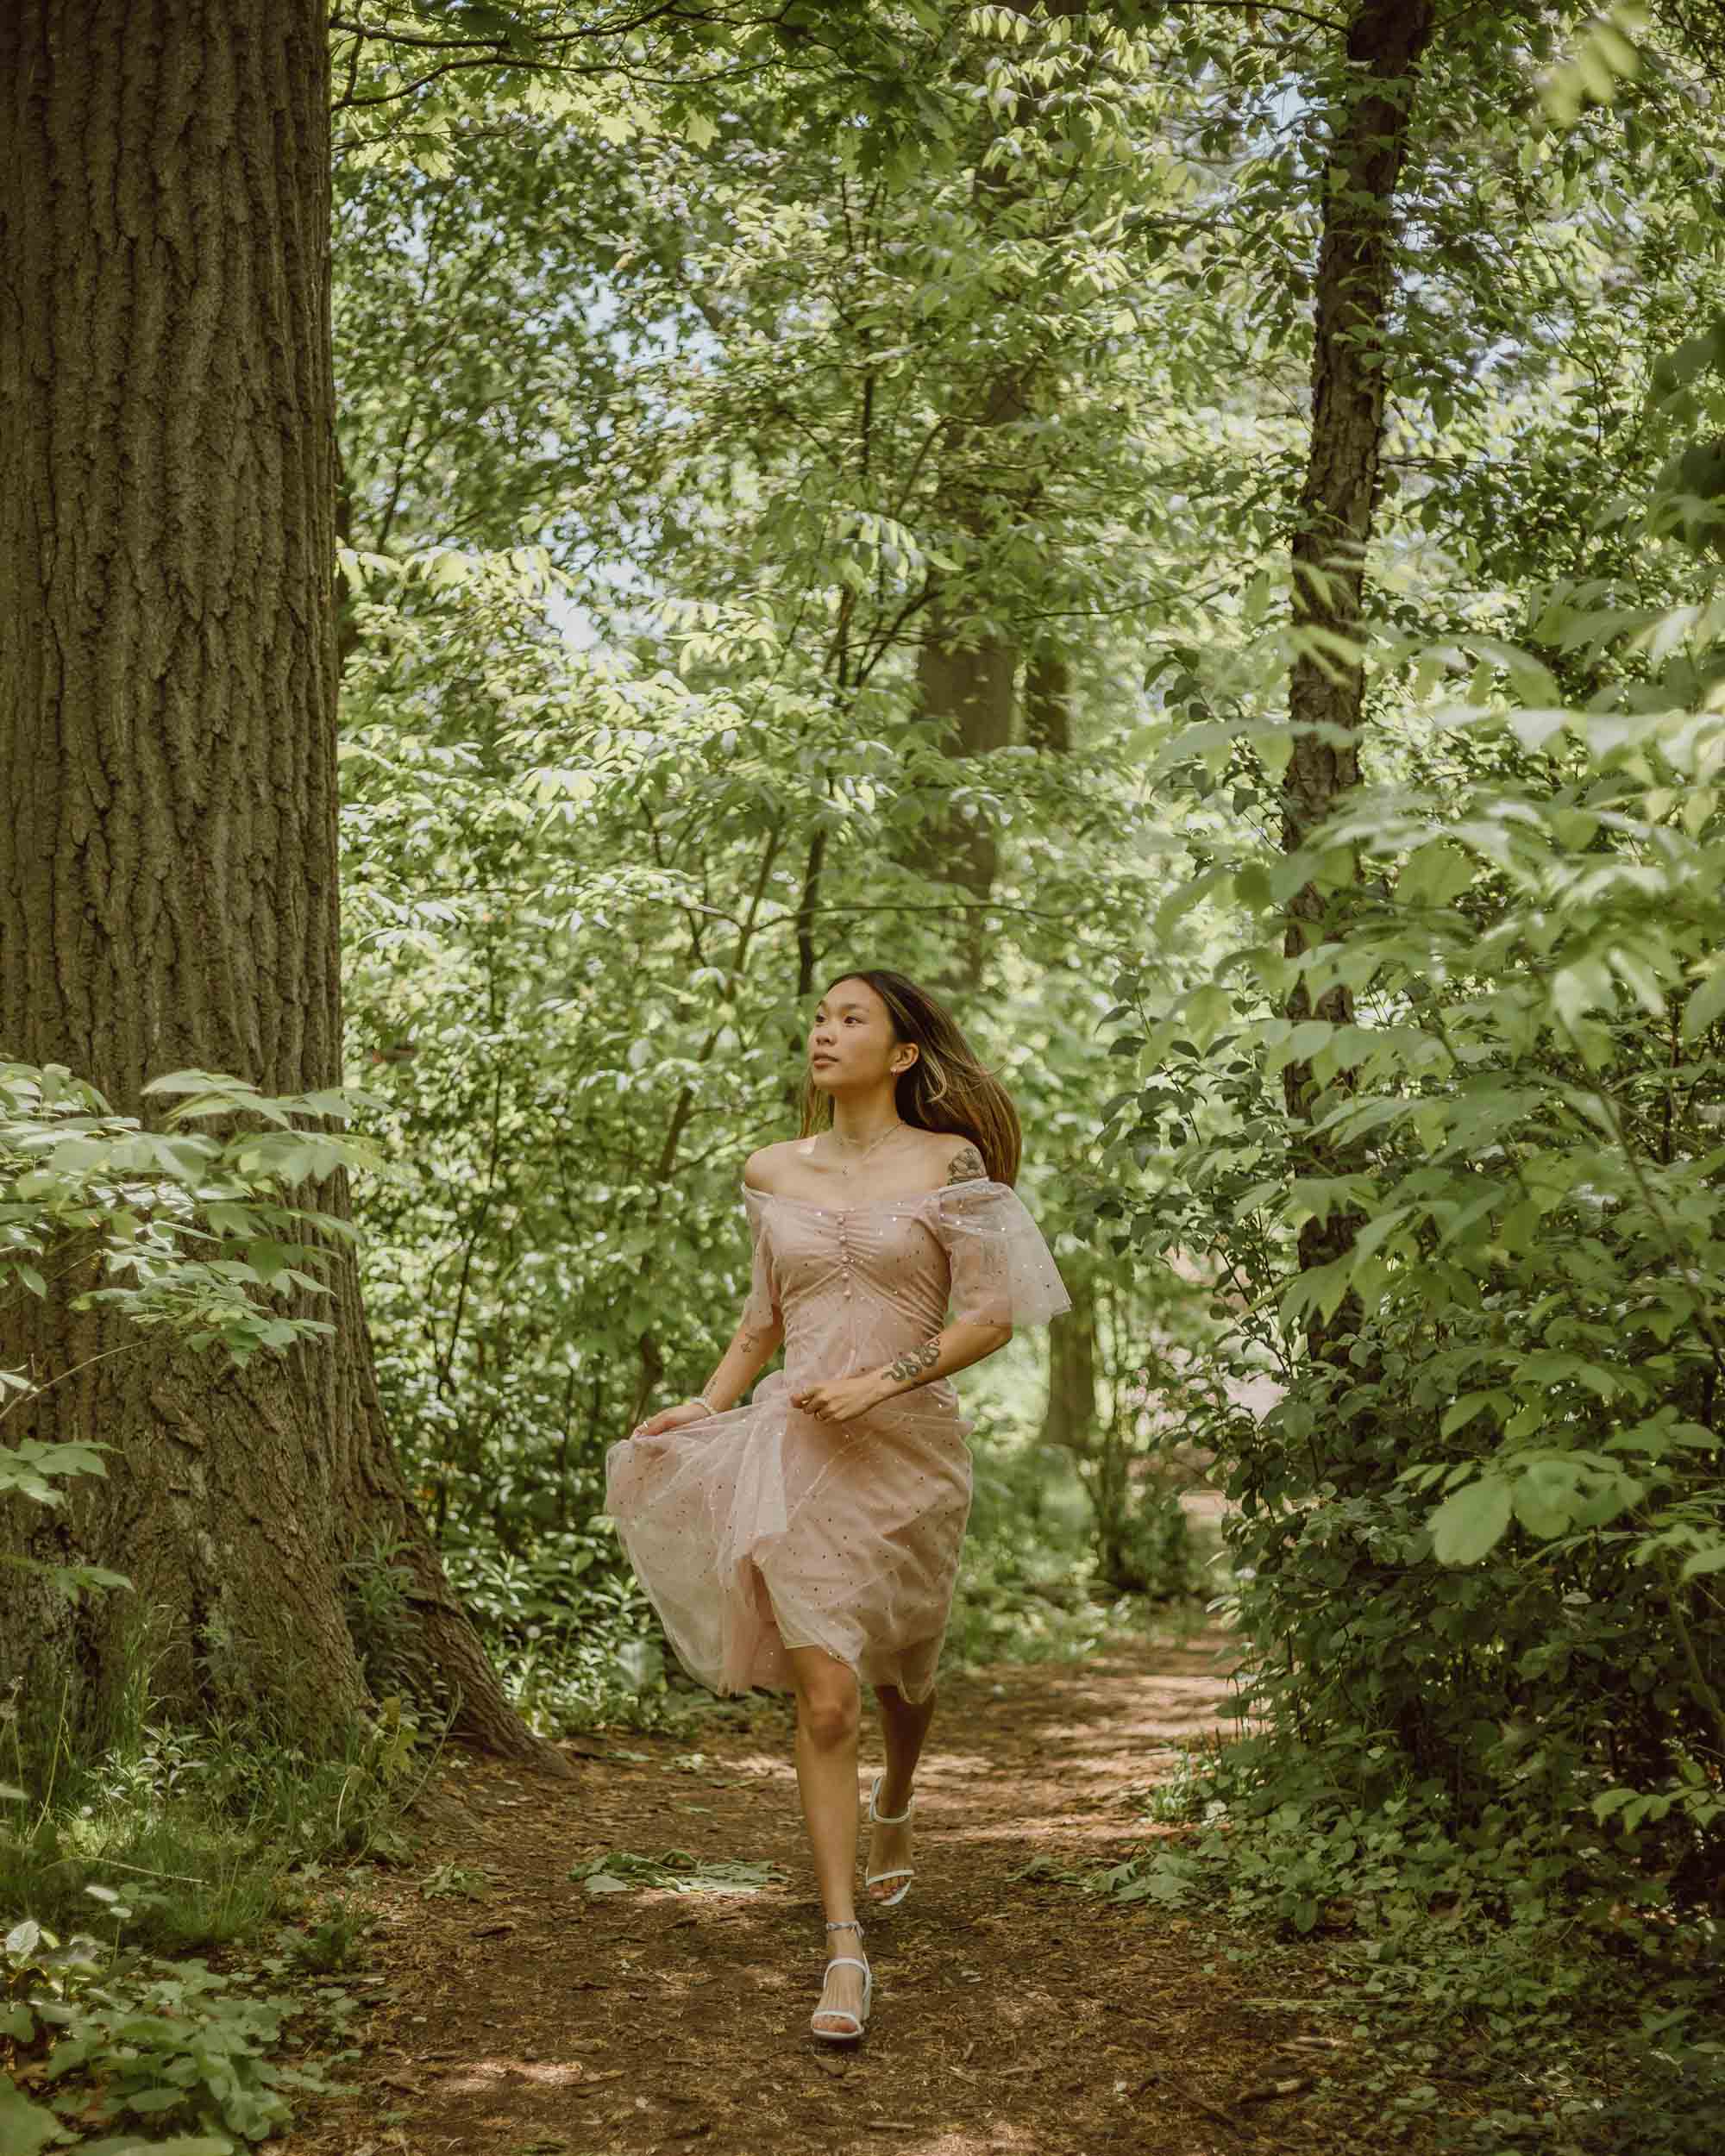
{"x":903,"y":1724}
{"x":828,"y":1711}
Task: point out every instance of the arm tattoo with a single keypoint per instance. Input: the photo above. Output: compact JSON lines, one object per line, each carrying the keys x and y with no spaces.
{"x":914,"y":1361}
{"x":966,"y":1166}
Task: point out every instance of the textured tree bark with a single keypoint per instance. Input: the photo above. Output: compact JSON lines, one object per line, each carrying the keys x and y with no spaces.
{"x":168,"y":854}
{"x":1386,"y":40}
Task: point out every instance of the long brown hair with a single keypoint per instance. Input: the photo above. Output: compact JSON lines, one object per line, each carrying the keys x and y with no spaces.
{"x":946,"y":1088}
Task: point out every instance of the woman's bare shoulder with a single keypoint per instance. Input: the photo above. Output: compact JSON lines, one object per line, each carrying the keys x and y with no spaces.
{"x":954,"y":1157}
{"x":763,"y":1168}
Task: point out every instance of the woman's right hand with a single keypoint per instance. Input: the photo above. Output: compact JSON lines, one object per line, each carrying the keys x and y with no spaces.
{"x":670,"y":1419}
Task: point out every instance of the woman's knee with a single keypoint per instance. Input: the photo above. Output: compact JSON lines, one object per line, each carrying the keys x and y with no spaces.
{"x":828,"y":1710}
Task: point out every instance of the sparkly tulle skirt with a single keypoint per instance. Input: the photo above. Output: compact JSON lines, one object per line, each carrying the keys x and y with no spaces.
{"x":762,"y":1529}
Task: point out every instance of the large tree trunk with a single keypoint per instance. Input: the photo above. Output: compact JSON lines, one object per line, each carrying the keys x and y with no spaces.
{"x":1385,"y":40}
{"x":168,"y":851}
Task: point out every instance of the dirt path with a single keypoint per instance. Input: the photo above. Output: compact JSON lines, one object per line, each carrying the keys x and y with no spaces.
{"x":1010,"y":2014}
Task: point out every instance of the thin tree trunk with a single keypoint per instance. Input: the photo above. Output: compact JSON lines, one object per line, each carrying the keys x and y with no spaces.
{"x":967,"y":685}
{"x":966,"y":673}
{"x":1386,"y":39}
{"x":169,"y":848}
{"x":1048,"y":702}
{"x":1070,"y":1418}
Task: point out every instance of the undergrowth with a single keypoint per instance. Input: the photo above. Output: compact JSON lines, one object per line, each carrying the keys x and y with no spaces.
{"x":1520,"y":1992}
{"x":170,"y":1938}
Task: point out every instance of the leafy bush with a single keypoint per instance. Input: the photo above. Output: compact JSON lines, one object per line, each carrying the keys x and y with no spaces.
{"x":164,"y":2043}
{"x":1542,"y":1977}
{"x":1524,"y":1141}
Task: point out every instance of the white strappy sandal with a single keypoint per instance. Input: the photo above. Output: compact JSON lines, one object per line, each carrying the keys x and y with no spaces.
{"x":844,"y":2013}
{"x":904,"y":1871}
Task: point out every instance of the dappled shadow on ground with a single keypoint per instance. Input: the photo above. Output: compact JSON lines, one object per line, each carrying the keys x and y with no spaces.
{"x":1010,"y":2012}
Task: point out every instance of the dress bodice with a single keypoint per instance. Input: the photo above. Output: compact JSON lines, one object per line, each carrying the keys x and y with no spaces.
{"x":859,"y":1281}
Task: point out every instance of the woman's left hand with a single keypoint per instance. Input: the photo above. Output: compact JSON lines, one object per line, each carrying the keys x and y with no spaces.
{"x":840,"y":1398}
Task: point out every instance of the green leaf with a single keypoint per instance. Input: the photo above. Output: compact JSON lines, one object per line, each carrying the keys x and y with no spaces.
{"x":1436,"y":874}
{"x":24,"y":2127}
{"x":1468,"y":1524}
{"x":1579,"y":988}
{"x":1460,"y":1413}
{"x":1252,"y":888}
{"x":1544,"y":1499}
{"x":1534,"y":728}
{"x":181,"y":2145}
{"x":148,"y":2101}
{"x":1276,"y":751}
{"x":1208,"y":1010}
{"x":1575,"y":828}
{"x":1706,"y":1002}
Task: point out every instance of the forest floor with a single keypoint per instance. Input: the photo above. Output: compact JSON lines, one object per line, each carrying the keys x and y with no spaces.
{"x":1012,"y":2013}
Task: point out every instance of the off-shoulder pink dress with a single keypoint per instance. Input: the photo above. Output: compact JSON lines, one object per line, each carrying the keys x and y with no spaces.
{"x":762,"y":1528}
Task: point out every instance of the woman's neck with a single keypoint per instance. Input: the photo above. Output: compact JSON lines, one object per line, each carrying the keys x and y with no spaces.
{"x":859,"y":1123}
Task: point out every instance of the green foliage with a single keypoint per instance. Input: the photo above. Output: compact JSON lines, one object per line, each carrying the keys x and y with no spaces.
{"x":1605,"y":55}
{"x":201,"y":1235}
{"x":183,"y":1840}
{"x":162,"y":2043}
{"x":1525,"y":1141}
{"x":208,"y":1828}
{"x":186,"y":1223}
{"x":331,"y":1943}
{"x":454,"y":1881}
{"x":568,"y":1629}
{"x":1535,"y":1990}
{"x":197,"y":1232}
{"x":675,"y":1872}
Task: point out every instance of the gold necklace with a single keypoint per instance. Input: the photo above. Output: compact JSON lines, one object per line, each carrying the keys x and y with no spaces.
{"x":872,"y":1146}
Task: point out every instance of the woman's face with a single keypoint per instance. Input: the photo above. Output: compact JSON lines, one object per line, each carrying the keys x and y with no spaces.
{"x":852,"y":1046}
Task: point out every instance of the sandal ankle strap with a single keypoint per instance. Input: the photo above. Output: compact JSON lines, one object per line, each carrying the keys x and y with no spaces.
{"x":886,"y":1819}
{"x":845,"y":1924}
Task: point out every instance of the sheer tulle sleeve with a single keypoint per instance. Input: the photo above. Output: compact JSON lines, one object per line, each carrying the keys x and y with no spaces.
{"x":1003,"y":1273}
{"x":760,"y":1310}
